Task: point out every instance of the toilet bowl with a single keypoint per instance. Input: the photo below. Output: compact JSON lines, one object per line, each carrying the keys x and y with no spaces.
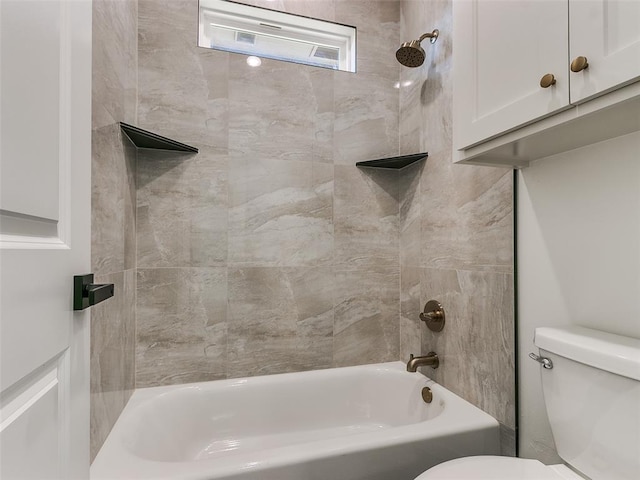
{"x":591,"y":386}
{"x":498,"y":468}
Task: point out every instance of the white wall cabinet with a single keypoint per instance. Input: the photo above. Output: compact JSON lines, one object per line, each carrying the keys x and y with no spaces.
{"x":502,"y":51}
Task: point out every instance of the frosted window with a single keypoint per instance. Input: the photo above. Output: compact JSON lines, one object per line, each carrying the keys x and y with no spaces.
{"x":260,"y":32}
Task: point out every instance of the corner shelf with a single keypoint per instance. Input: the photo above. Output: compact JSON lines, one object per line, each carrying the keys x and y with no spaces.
{"x":145,"y":139}
{"x":394,"y":163}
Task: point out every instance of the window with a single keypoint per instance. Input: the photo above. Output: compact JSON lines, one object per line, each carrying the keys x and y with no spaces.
{"x":260,"y":32}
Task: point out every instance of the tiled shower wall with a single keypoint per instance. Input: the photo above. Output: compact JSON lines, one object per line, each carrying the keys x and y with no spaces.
{"x":456,"y":240}
{"x":113,"y":212}
{"x":269,"y":251}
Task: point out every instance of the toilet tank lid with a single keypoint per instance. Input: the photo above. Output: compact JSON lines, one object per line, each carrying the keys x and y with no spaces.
{"x":606,"y":351}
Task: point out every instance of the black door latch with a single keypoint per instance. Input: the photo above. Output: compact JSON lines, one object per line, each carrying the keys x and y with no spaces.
{"x":87,"y":293}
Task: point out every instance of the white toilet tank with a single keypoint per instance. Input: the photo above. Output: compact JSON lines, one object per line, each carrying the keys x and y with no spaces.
{"x":592,"y":395}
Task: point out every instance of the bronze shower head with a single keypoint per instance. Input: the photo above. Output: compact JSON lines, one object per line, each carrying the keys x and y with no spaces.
{"x":411,"y":54}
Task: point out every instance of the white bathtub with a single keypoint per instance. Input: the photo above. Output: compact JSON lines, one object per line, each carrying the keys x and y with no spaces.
{"x":355,"y":423}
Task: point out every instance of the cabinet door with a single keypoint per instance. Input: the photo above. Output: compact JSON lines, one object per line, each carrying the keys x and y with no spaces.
{"x":502,"y":49}
{"x":607,"y":33}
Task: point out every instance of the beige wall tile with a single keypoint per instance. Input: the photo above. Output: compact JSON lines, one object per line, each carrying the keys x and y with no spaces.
{"x":410,"y":214}
{"x":467,"y":216}
{"x":280,"y":212}
{"x":112,"y":355}
{"x":182,"y":88}
{"x":115,"y":62}
{"x":366,"y":326}
{"x":366,"y":217}
{"x":366,"y":117}
{"x":476,"y":347}
{"x":273,"y":109}
{"x":113,"y":198}
{"x":280,"y":320}
{"x":182,"y":209}
{"x":410,"y":308}
{"x":181,"y":325}
{"x":113,"y":220}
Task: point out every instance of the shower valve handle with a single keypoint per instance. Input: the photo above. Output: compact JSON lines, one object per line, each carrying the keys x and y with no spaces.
{"x":433,"y":315}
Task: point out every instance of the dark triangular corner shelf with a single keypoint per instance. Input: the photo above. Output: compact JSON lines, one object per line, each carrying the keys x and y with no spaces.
{"x":394,"y":163}
{"x":145,"y":139}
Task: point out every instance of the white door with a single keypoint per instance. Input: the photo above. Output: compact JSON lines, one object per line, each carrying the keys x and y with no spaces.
{"x":45,"y":168}
{"x":607,"y":33}
{"x":501,"y":51}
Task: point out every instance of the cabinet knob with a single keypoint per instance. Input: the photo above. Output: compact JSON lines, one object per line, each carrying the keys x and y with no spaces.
{"x":579,"y":64}
{"x":547,"y":80}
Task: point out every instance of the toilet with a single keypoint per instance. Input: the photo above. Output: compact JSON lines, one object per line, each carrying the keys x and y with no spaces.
{"x":591,"y":387}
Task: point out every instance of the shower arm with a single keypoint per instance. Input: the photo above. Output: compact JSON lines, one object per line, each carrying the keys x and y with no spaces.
{"x":433,"y":36}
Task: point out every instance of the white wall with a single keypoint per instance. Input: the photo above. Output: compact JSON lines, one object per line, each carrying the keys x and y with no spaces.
{"x":578,"y":259}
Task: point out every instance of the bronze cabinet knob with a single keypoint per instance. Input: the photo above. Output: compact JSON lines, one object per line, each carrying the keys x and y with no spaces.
{"x":547,"y":80}
{"x":579,"y":64}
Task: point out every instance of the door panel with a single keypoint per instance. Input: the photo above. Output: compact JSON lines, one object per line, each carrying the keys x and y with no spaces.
{"x":30,"y":107}
{"x":45,"y":162}
{"x":502,"y":50}
{"x":32,"y":426}
{"x":607,"y":32}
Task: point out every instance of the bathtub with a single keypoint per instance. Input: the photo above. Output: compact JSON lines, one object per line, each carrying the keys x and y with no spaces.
{"x":355,"y":423}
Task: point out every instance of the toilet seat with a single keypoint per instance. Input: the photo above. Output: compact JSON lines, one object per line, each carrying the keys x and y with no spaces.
{"x":497,"y":468}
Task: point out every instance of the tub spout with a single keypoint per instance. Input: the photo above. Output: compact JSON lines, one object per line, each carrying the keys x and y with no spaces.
{"x":430,"y":359}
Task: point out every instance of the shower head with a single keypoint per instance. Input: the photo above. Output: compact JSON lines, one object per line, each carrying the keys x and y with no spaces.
{"x":411,"y":54}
